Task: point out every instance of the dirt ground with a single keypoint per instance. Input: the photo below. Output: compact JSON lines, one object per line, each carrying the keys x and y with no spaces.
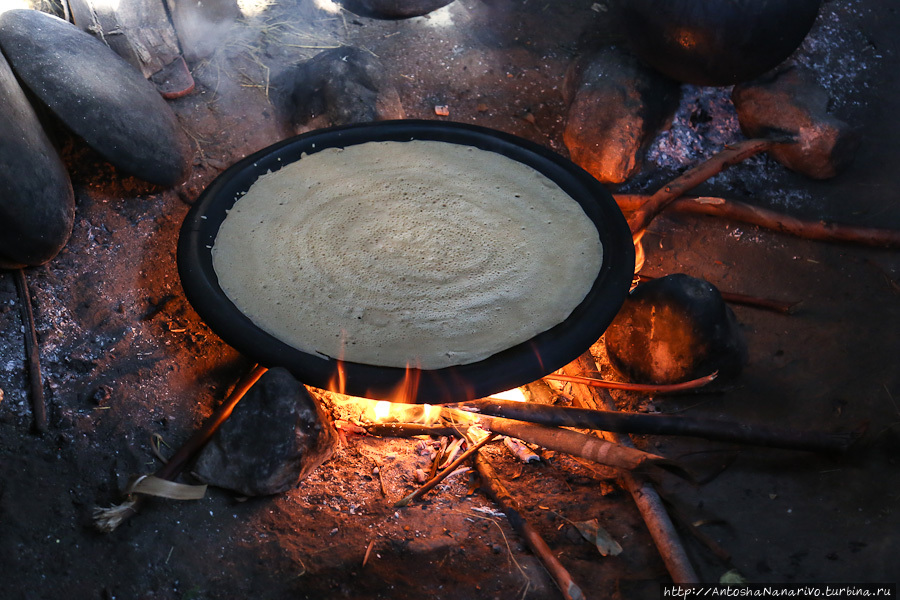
{"x":125,"y":357}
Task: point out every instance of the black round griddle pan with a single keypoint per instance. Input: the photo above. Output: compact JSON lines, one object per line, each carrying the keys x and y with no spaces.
{"x":510,"y":368}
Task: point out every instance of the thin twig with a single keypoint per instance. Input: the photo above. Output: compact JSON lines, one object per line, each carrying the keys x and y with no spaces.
{"x":32,"y":353}
{"x":443,"y":474}
{"x":779,"y":306}
{"x":770,"y":219}
{"x":643,"y":493}
{"x":494,"y":488}
{"x":636,"y":387}
{"x":658,"y":424}
{"x":107,"y":519}
{"x":730,"y":155}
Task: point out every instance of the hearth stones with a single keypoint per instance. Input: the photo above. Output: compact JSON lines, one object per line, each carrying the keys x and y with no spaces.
{"x":791,"y":100}
{"x":674,"y":329}
{"x":97,"y":94}
{"x":394,"y":9}
{"x":340,"y":86}
{"x":275,"y":436}
{"x":37,"y":206}
{"x":616,"y":108}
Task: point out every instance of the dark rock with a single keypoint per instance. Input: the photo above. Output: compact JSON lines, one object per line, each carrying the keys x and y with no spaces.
{"x":394,"y":9}
{"x":338,"y":87}
{"x":37,"y":205}
{"x":616,"y":108}
{"x":791,"y":100}
{"x":275,"y":436}
{"x":714,"y":42}
{"x":674,"y":329}
{"x":97,"y":95}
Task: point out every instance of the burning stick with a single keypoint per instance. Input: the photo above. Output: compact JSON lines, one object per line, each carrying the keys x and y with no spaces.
{"x":731,"y":155}
{"x":408,"y":430}
{"x":644,"y":494}
{"x":33,"y":355}
{"x":640,"y":423}
{"x":578,"y":444}
{"x":770,"y":219}
{"x":107,"y":519}
{"x":494,"y":488}
{"x":443,"y":474}
{"x":636,"y":387}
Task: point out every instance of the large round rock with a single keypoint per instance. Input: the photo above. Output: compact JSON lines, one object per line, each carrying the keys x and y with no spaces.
{"x":715,"y":42}
{"x":674,"y":329}
{"x":37,"y":206}
{"x":97,"y":95}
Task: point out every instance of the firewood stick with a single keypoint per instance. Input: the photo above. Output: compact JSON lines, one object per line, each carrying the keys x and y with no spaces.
{"x":107,"y":519}
{"x":427,"y":486}
{"x":655,"y":424}
{"x":637,"y":387}
{"x":405,"y":430}
{"x":644,"y":494}
{"x":494,"y":488}
{"x":730,"y":155}
{"x":32,"y":353}
{"x":578,"y":444}
{"x":770,"y":219}
{"x":778,"y":306}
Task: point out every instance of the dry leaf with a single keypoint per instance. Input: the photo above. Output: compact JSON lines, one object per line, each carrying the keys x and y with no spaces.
{"x":598,"y":536}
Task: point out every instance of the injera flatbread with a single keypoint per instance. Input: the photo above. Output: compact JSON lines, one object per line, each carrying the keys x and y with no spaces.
{"x":422,"y":253}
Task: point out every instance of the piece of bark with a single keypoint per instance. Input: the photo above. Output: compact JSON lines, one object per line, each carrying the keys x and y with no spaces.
{"x":616,"y":108}
{"x":274,"y":438}
{"x":791,"y":100}
{"x":139,"y":32}
{"x":673,"y":329}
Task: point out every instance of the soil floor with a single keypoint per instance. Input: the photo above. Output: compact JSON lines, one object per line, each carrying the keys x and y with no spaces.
{"x":125,"y":358}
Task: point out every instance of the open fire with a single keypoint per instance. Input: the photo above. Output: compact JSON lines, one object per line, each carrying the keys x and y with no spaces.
{"x":125,"y":359}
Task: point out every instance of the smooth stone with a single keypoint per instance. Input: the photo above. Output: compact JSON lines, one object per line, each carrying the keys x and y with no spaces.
{"x":37,"y":204}
{"x":674,"y":329}
{"x":98,"y":95}
{"x":339,"y":86}
{"x":275,"y":436}
{"x":791,"y":100}
{"x":616,"y":108}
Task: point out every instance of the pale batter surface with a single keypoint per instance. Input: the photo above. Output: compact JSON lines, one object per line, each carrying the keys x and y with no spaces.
{"x":419,"y":253}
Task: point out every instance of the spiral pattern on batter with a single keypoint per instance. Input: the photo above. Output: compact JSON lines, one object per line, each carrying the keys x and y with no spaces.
{"x":419,"y":253}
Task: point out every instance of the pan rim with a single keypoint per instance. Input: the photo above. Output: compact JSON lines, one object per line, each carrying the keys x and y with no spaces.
{"x":520,"y":364}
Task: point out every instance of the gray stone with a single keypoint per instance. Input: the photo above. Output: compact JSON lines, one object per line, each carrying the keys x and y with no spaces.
{"x":791,"y":100}
{"x":37,"y":206}
{"x":616,"y":108}
{"x":276,"y":435}
{"x":98,"y":95}
{"x":340,"y":86}
{"x":674,"y":329}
